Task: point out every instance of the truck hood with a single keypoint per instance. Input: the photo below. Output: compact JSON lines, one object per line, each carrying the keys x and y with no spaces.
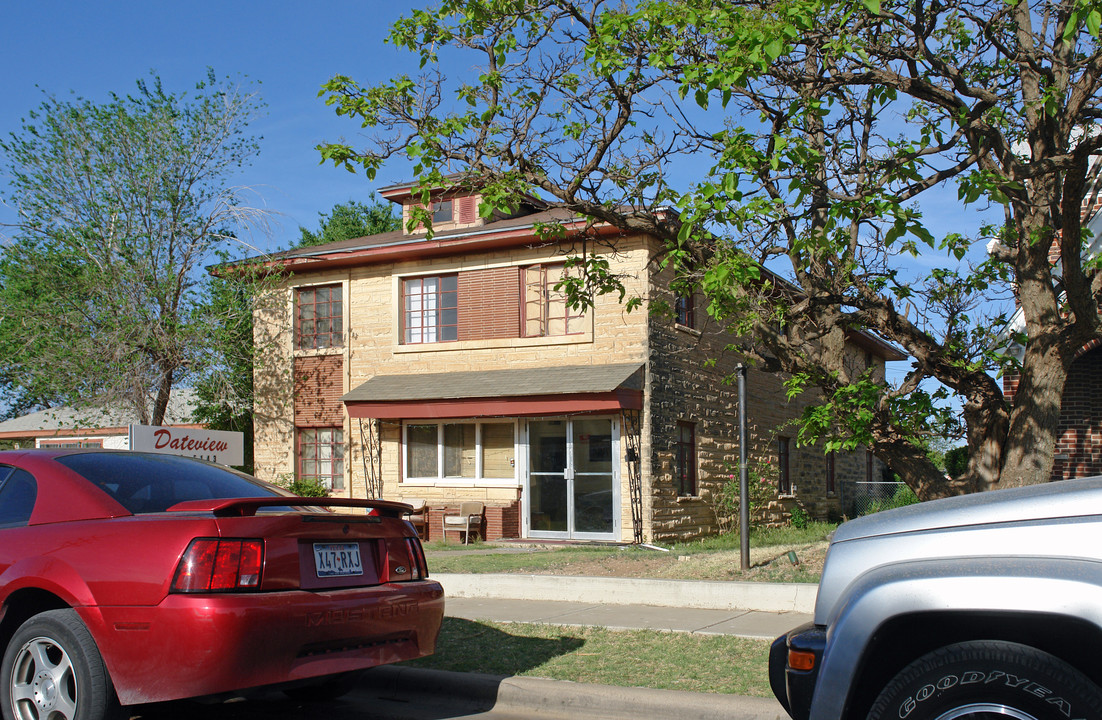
{"x":1064,"y":499}
{"x":1060,"y":519}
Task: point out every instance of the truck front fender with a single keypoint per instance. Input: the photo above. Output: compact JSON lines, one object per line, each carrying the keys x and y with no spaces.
{"x":1051,"y":586}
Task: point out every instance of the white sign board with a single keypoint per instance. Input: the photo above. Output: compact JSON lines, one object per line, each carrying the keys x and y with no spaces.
{"x":219,"y":446}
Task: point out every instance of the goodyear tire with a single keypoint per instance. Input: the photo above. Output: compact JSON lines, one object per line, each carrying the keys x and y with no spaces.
{"x":988,"y":680}
{"x":52,"y":669}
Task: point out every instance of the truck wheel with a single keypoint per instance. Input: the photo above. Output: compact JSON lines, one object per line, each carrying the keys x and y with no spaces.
{"x":988,"y":679}
{"x":53,"y":670}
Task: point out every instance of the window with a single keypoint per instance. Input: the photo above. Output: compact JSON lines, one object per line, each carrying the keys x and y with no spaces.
{"x":18,"y":491}
{"x":830,"y":485}
{"x":686,"y":459}
{"x":430,"y":309}
{"x":546,"y":312}
{"x":151,"y":482}
{"x":321,"y":456}
{"x":442,"y":211}
{"x":685,"y":309}
{"x":319,"y":317}
{"x":784,"y":479}
{"x":461,"y":450}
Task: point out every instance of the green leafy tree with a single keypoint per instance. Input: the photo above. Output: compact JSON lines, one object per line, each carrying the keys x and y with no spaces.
{"x":120,"y":204}
{"x":225,"y":376}
{"x":813,"y":127}
{"x":349,"y":220}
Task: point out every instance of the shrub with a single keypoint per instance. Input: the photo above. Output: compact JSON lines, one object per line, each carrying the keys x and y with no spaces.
{"x":725,"y":501}
{"x":956,"y":461}
{"x":799,"y":518}
{"x":303,"y":487}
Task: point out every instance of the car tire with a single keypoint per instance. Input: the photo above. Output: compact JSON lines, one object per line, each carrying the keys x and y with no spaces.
{"x":988,"y":679}
{"x":52,"y":668}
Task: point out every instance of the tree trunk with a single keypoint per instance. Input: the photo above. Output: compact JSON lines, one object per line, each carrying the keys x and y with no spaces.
{"x":164,"y":391}
{"x":915,"y":469}
{"x":1034,"y":419}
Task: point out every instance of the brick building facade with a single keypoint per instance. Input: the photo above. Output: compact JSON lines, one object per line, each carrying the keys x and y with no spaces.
{"x":450,"y":369}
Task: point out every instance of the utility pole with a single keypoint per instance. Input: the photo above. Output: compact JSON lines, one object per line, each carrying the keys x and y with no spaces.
{"x":743,"y":472}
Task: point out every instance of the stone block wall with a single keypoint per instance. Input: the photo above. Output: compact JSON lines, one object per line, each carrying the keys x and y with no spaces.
{"x":691,"y":377}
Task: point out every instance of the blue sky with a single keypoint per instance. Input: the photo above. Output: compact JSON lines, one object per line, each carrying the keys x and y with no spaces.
{"x":291,"y":48}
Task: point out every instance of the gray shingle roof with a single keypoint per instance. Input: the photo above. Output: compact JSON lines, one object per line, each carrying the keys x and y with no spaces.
{"x":568,"y":380}
{"x":181,"y":405}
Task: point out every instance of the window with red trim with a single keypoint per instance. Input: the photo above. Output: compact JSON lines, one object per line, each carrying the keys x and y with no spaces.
{"x":546,"y":311}
{"x":685,"y":308}
{"x":430,"y":309}
{"x":686,"y":459}
{"x":784,"y":478}
{"x":321,"y":456}
{"x":319,"y":317}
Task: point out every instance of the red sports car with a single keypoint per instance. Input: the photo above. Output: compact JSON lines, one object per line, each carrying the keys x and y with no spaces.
{"x":131,"y":578}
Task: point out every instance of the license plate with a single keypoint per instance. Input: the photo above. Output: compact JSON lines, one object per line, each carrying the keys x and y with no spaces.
{"x":337,"y":559}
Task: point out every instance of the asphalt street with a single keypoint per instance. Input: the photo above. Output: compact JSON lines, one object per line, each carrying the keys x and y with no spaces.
{"x":392,"y":693}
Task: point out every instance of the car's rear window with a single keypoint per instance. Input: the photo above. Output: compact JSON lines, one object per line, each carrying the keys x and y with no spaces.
{"x":148,"y":483}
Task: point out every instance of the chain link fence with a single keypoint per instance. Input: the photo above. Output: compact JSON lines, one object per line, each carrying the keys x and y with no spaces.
{"x":860,"y":497}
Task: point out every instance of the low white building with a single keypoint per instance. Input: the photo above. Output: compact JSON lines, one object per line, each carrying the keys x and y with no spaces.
{"x":104,"y":426}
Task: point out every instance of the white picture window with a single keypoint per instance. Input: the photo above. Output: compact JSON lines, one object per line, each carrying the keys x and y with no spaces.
{"x":460,"y":450}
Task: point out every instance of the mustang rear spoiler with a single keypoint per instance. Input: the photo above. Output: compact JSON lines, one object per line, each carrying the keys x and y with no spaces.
{"x":232,"y":507}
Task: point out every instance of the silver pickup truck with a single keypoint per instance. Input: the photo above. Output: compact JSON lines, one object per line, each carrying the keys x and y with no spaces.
{"x":982,"y":606}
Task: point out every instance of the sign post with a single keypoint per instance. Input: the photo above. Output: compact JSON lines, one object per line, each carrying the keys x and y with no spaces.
{"x":218,"y":446}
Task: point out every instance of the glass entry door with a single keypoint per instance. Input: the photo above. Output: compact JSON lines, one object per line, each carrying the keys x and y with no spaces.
{"x":572,"y":480}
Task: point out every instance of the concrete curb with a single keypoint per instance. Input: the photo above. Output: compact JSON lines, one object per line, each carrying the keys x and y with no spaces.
{"x":538,"y":697}
{"x":703,"y":594}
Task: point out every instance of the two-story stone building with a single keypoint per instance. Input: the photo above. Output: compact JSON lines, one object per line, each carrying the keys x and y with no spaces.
{"x":450,"y":369}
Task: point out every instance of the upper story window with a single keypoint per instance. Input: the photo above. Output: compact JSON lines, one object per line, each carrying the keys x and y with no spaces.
{"x":319,"y":317}
{"x":442,"y":211}
{"x":685,"y":309}
{"x":430,"y":309}
{"x":546,"y":311}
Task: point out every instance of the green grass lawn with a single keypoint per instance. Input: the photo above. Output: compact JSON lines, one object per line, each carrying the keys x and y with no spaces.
{"x":713,"y":558}
{"x":630,"y":658}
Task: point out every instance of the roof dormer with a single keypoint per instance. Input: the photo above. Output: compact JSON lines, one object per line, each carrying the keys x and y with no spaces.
{"x":452,"y":209}
{"x":454,"y":205}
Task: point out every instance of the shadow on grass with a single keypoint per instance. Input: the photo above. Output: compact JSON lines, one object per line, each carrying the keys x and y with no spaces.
{"x":471,"y":646}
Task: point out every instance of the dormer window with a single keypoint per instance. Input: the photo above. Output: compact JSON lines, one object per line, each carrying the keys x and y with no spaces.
{"x":442,"y":211}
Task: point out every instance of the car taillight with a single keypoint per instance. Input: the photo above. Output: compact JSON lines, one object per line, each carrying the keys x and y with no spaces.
{"x":420,"y":566}
{"x":213,"y":565}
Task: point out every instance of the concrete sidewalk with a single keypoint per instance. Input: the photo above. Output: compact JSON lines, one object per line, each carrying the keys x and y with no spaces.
{"x":757,"y":610}
{"x":740,"y":623}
